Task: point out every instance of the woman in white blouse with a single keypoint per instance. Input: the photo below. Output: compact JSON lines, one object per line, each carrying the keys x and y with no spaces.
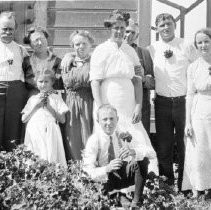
{"x":114,"y":82}
{"x":197,"y":170}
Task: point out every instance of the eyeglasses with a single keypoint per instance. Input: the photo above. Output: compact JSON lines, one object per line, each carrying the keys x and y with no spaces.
{"x":132,"y":32}
{"x":8,"y":29}
{"x":117,"y":28}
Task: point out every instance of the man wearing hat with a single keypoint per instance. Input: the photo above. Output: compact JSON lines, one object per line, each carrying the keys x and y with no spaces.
{"x":146,"y":61}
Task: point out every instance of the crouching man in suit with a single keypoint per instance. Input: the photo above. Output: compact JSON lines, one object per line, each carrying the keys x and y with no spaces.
{"x":115,"y":158}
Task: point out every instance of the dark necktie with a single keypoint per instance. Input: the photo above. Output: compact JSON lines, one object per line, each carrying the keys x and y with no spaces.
{"x":111,"y":154}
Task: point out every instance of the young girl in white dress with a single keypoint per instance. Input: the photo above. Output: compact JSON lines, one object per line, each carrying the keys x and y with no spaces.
{"x":42,"y":114}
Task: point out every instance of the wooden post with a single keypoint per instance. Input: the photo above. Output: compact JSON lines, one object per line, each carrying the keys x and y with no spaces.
{"x":182,"y":23}
{"x":144,"y":21}
{"x":40,"y":10}
{"x":208,"y":13}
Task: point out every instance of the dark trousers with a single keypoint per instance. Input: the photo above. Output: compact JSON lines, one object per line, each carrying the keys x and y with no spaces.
{"x":129,"y":174}
{"x":170,"y":123}
{"x":12,"y":101}
{"x":146,"y":110}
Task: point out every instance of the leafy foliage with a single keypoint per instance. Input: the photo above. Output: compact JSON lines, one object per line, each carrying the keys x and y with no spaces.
{"x":28,"y":182}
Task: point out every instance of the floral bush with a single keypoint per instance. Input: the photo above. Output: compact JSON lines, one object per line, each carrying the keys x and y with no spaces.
{"x":26,"y":182}
{"x":30,"y":183}
{"x":159,"y":195}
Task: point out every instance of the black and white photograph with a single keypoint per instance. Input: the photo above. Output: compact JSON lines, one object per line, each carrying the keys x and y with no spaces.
{"x":105,"y":104}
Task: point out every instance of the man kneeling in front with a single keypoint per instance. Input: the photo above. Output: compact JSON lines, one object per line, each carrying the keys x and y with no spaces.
{"x":114,"y":158}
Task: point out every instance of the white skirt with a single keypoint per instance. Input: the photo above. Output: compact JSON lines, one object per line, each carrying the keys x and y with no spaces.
{"x":119,"y":92}
{"x":44,"y":138}
{"x":197,"y":168}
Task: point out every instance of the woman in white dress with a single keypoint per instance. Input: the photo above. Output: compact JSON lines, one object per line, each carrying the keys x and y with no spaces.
{"x":42,"y":113}
{"x":114,"y":82}
{"x":197,"y":170}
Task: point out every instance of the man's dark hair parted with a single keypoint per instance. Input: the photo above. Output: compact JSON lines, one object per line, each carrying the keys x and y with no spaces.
{"x":164,"y":16}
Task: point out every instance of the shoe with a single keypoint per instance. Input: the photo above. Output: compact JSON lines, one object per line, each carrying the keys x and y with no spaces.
{"x":200,"y":195}
{"x":125,"y":202}
{"x":208,"y":195}
{"x":187,"y":193}
{"x":135,"y":205}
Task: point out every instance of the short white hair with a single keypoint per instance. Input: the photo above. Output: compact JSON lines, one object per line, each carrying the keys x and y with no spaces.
{"x":9,"y":15}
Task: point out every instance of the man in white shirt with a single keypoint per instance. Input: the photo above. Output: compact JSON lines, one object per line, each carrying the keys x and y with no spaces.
{"x":13,"y":93}
{"x":171,"y":57}
{"x":124,"y":169}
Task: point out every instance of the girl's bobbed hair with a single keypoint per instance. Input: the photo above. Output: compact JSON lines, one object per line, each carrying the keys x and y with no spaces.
{"x":27,"y":38}
{"x":115,"y":16}
{"x":82,"y":33}
{"x":45,"y":73}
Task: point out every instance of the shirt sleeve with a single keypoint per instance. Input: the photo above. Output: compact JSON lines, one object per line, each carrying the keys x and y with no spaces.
{"x":90,"y":165}
{"x":97,"y":64}
{"x":24,"y":52}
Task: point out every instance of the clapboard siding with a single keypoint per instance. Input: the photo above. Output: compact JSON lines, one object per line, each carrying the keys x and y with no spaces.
{"x":104,"y":5}
{"x":61,"y":37}
{"x":78,"y":19}
{"x":63,"y":17}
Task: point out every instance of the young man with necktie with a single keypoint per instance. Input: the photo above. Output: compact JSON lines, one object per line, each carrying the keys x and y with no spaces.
{"x":124,"y":169}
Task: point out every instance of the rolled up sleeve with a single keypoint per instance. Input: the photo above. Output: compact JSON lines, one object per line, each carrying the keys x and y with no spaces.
{"x":90,"y":165}
{"x":97,"y":65}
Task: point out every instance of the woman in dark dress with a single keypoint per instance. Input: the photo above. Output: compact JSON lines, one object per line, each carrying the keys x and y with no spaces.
{"x":42,"y":57}
{"x":79,"y":98}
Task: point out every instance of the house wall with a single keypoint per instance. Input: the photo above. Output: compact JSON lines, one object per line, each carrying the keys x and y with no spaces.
{"x":61,"y":18}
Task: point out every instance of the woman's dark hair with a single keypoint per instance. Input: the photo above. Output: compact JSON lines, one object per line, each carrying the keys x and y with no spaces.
{"x":27,"y":38}
{"x":163,"y":17}
{"x":115,"y":16}
{"x":206,"y":31}
{"x":83,"y":33}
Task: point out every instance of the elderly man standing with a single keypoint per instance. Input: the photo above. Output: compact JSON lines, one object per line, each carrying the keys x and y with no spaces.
{"x":171,"y":57}
{"x":12,"y":83}
{"x":147,"y":64}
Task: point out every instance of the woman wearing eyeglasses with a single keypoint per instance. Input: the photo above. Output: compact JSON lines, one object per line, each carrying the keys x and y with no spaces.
{"x":42,"y":57}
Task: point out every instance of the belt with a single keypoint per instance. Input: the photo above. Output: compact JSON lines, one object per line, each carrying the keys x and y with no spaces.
{"x":5,"y":84}
{"x":171,"y":98}
{"x":77,"y":89}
